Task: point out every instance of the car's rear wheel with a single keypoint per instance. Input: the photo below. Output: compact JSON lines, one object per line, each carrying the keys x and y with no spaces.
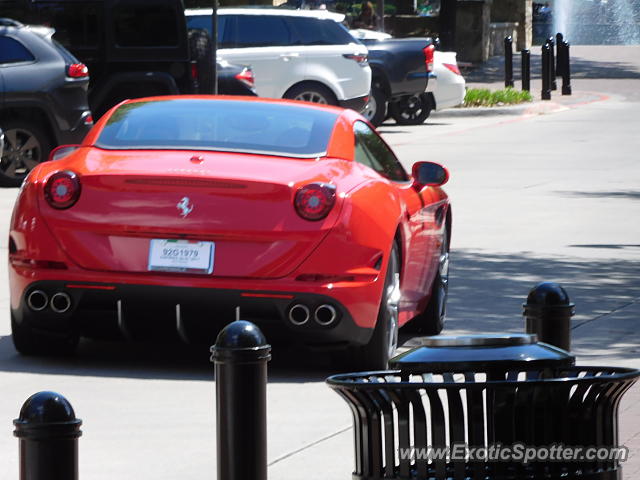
{"x":25,"y":146}
{"x":376,"y":354}
{"x":412,"y":110}
{"x":311,"y":92}
{"x":376,"y":109}
{"x":431,"y":321}
{"x":28,"y":342}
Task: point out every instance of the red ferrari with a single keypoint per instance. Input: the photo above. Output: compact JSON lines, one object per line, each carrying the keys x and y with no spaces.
{"x":175,"y":211}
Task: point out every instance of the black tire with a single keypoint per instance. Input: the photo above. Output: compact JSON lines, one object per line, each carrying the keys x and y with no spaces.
{"x":28,"y":342}
{"x":311,"y":92}
{"x":376,"y":109}
{"x":431,"y":321}
{"x":200,"y":50}
{"x":376,"y":354}
{"x":25,"y":146}
{"x":412,"y":110}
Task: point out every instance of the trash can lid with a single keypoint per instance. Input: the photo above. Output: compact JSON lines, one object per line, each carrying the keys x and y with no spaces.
{"x":480,"y":340}
{"x":499,"y":352}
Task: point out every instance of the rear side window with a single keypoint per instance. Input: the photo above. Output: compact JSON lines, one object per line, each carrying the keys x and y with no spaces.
{"x":12,"y":51}
{"x":315,"y":31}
{"x":370,"y":150}
{"x":257,"y":31}
{"x":136,"y":25}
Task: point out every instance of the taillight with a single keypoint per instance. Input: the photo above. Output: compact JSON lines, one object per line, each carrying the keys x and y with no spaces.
{"x":315,"y":201}
{"x":194,"y":70}
{"x":77,"y":70}
{"x":428,"y":56}
{"x":360,"y":58}
{"x":62,"y":189}
{"x":452,"y":67}
{"x":246,"y":77}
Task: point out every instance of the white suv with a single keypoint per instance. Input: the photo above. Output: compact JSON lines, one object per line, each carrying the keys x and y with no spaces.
{"x":298,"y":54}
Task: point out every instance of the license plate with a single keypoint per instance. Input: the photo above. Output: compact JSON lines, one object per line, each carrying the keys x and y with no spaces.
{"x":181,"y":256}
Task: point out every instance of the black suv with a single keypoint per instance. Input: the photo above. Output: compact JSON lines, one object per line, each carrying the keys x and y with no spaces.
{"x":43,"y":98}
{"x":133,"y":48}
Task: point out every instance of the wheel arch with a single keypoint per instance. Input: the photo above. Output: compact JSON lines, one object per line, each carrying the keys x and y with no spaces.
{"x":312,"y":83}
{"x":34,"y":114}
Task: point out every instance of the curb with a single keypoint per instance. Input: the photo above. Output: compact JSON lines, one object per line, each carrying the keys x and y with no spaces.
{"x":531,"y":108}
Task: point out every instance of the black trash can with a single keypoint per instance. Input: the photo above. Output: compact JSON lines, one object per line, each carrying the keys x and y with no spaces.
{"x":477,"y":407}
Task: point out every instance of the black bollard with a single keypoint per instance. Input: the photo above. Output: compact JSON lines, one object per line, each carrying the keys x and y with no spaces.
{"x":240,"y":355}
{"x":508,"y":62}
{"x":552,"y":64}
{"x":48,"y":432}
{"x":548,"y":313}
{"x":559,"y":54}
{"x":566,"y":69}
{"x":526,"y":70}
{"x":546,"y":90}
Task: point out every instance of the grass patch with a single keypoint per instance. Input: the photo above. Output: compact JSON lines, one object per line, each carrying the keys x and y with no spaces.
{"x":481,"y":97}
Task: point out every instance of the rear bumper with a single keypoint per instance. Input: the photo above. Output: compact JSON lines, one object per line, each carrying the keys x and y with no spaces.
{"x":356,"y":104}
{"x":192,"y":314}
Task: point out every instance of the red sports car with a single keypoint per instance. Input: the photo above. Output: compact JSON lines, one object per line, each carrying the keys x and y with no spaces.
{"x":177,"y":210}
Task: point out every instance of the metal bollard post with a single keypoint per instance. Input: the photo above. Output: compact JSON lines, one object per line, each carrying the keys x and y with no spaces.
{"x":548,"y":313}
{"x":552,"y":64}
{"x":48,"y":432}
{"x":566,"y":69}
{"x":240,"y":355}
{"x":559,"y":54}
{"x":546,"y":90}
{"x":526,"y":70}
{"x":508,"y":62}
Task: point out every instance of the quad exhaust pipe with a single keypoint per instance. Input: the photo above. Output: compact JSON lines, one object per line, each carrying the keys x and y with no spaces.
{"x":37,"y":300}
{"x":325,"y":315}
{"x":60,"y":302}
{"x":299,"y":314}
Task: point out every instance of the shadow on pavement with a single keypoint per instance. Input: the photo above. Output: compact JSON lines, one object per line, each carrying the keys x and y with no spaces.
{"x":487,"y":292}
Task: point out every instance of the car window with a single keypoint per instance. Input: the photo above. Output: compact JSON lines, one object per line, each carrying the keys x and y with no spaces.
{"x":136,"y":25}
{"x":316,"y":31}
{"x":259,"y":31}
{"x":77,"y":27}
{"x":370,"y":150}
{"x":222,"y":125}
{"x":12,"y":51}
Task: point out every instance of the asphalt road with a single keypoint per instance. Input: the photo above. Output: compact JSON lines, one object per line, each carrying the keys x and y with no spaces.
{"x":548,"y":194}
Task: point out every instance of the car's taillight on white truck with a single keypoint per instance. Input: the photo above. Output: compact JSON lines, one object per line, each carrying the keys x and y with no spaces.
{"x":360,"y":58}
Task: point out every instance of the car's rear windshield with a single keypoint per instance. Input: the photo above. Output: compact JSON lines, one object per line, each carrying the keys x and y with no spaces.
{"x":237,"y":126}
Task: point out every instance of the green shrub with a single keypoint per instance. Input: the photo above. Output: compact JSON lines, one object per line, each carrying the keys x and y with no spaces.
{"x":482,"y":97}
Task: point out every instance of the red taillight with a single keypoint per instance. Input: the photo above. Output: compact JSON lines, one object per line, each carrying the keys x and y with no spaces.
{"x":88,"y":120}
{"x":194,"y":70}
{"x":361,"y":58}
{"x":315,"y":201}
{"x":452,"y":67}
{"x":62,"y":189}
{"x":246,"y":77}
{"x":428,"y":57}
{"x":77,"y":70}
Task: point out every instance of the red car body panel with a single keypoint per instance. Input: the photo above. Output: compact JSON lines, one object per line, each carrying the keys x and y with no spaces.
{"x":243,"y":203}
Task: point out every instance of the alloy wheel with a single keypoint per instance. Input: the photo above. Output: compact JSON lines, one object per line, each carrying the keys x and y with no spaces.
{"x":22,"y":152}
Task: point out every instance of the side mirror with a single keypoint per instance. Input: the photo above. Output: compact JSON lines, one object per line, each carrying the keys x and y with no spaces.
{"x":429,"y":174}
{"x":62,"y":151}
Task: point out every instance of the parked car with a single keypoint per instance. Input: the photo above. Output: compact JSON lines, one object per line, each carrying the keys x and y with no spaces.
{"x":400,"y":66}
{"x":43,"y":98}
{"x":296,"y":54}
{"x":132,"y":48}
{"x":176,"y":210}
{"x":446,"y":89}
